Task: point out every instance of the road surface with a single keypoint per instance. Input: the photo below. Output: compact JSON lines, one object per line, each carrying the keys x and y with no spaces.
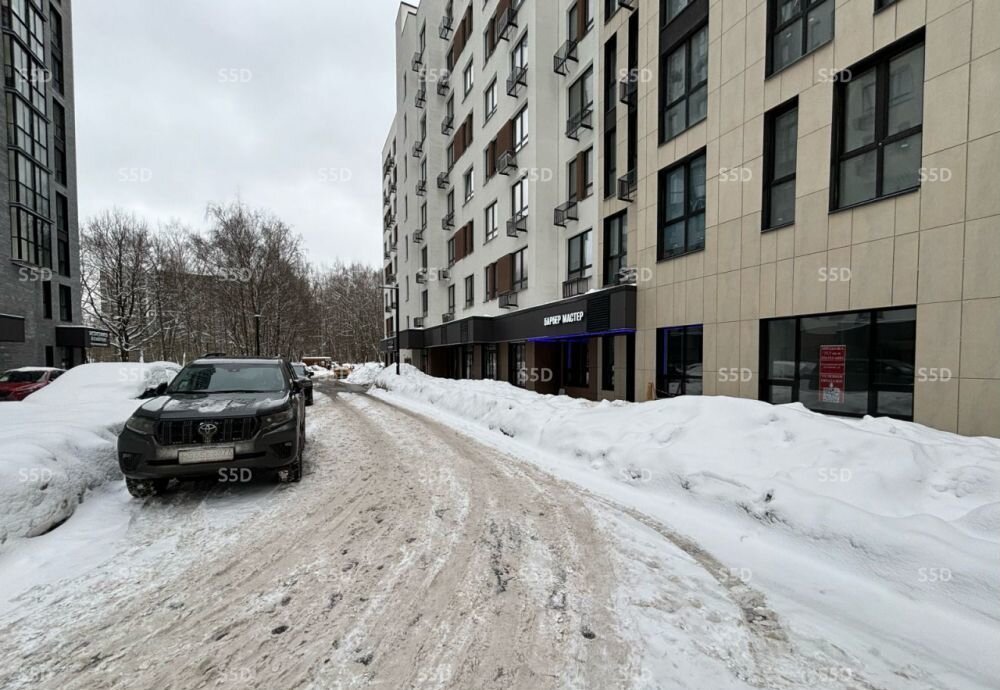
{"x":408,"y":557}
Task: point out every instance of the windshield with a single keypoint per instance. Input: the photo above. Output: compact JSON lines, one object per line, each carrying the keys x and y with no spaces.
{"x":228,"y":378}
{"x":300,"y":369}
{"x":22,"y":376}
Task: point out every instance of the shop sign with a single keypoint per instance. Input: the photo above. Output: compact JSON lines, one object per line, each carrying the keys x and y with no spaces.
{"x":832,"y":374}
{"x":559,"y":319}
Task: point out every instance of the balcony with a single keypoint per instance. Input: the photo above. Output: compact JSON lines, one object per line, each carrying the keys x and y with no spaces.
{"x":421,"y":187}
{"x":517,"y":223}
{"x":421,"y":276}
{"x":508,"y":300}
{"x":628,"y":91}
{"x":389,"y":220}
{"x":507,"y":163}
{"x":627,"y":186}
{"x":517,"y":80}
{"x":418,"y":149}
{"x":447,"y":318}
{"x":392,"y":186}
{"x":507,"y":24}
{"x":576,"y":286}
{"x":444,"y":84}
{"x":448,"y":125}
{"x":560,"y":63}
{"x":581,"y":120}
{"x":444,"y":275}
{"x":393,"y":246}
{"x":418,"y":236}
{"x":443,"y":181}
{"x":448,"y":222}
{"x":564,"y":213}
{"x":388,"y":166}
{"x":418,"y":322}
{"x":445,"y":27}
{"x":390,"y":308}
{"x":386,"y":254}
{"x":420,"y":99}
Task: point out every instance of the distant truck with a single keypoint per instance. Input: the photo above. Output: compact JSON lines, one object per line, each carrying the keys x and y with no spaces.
{"x":324,"y":362}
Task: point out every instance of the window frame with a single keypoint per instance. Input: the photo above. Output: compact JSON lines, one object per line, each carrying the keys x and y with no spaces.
{"x":686,"y":361}
{"x":492,"y":229}
{"x":661,"y":203}
{"x":689,"y":88}
{"x":770,"y":158}
{"x":803,"y":18}
{"x":584,"y":250}
{"x":880,"y":62}
{"x":617,"y":223}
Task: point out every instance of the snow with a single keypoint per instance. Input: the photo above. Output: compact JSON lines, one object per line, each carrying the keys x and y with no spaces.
{"x":365,"y":374}
{"x":877,"y":535}
{"x":35,"y":369}
{"x":61,"y":441}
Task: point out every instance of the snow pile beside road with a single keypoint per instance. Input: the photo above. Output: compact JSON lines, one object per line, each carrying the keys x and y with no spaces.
{"x":60,"y":441}
{"x":365,"y":374}
{"x":905,"y":504}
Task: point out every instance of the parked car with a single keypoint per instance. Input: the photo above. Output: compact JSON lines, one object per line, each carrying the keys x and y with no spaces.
{"x":17,"y":384}
{"x":219,"y":416}
{"x":305,"y":378}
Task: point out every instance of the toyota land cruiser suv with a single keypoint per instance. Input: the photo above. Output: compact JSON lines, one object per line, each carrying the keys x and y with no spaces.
{"x":217,"y":414}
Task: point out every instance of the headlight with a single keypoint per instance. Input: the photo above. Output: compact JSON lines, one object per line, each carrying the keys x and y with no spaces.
{"x":278,"y":418}
{"x":141,"y":425}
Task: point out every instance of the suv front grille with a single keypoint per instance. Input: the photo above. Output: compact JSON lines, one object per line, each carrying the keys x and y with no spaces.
{"x":185,"y":431}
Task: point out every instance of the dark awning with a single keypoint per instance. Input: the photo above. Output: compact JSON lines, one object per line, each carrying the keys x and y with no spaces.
{"x":82,"y":336}
{"x":11,"y":328}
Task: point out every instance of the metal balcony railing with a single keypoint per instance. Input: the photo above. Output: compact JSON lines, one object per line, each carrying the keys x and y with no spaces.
{"x":628,"y":91}
{"x":442,"y":181}
{"x":444,"y":84}
{"x":420,"y":99}
{"x":627,"y":186}
{"x":584,"y":119}
{"x":517,"y":80}
{"x":448,"y":125}
{"x":506,"y":162}
{"x":447,"y":318}
{"x":507,"y":24}
{"x":576,"y":286}
{"x":418,"y":61}
{"x":421,"y":189}
{"x":560,"y":62}
{"x":564,"y":213}
{"x":448,"y":222}
{"x":517,"y":223}
{"x":445,"y":27}
{"x":508,"y":300}
{"x":418,"y":148}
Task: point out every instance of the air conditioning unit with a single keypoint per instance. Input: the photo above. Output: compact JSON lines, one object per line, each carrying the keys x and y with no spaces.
{"x":444,"y":274}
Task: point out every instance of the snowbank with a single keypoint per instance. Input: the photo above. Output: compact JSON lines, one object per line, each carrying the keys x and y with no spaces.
{"x":365,"y":374}
{"x":60,"y":441}
{"x":908,"y":505}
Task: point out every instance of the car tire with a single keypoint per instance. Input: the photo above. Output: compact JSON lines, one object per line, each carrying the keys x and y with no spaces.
{"x":144,"y":488}
{"x":293,"y":473}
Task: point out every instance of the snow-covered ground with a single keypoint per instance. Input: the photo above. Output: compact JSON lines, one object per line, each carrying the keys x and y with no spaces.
{"x":365,"y":374}
{"x":879,"y":538}
{"x":60,"y":442}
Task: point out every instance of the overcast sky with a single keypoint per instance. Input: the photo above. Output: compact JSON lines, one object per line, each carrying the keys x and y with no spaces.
{"x":183,"y":102}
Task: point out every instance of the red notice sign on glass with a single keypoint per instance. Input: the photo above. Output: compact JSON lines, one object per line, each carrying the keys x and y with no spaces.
{"x":832,"y":373}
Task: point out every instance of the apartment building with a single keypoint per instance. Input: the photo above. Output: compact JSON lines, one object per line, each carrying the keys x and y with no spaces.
{"x":490,"y":199}
{"x":802,"y":193}
{"x":40,"y":279}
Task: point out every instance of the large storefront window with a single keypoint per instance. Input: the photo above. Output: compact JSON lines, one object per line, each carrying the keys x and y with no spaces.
{"x":679,"y":361}
{"x":853,"y":363}
{"x":517,"y":367}
{"x":490,"y":362}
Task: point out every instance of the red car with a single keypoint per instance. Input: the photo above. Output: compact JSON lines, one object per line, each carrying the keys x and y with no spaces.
{"x":17,"y":384}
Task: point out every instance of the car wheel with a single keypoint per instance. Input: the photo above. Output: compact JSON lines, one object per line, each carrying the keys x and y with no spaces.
{"x":143,"y":488}
{"x":293,"y":473}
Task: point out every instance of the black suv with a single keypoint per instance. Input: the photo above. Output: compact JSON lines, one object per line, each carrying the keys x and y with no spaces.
{"x":218,"y":413}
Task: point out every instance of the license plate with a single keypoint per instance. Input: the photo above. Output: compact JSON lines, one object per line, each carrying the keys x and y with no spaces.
{"x":193,"y":457}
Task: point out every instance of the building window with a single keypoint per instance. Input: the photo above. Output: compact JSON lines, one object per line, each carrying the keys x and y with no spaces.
{"x":878,"y":126}
{"x":684,"y":86}
{"x":467,"y":78}
{"x":588,"y":172}
{"x":615,"y":247}
{"x":451,"y":252}
{"x":669,"y":9}
{"x":577,"y":26}
{"x":47,"y":299}
{"x":679,"y":361}
{"x":611,"y":76}
{"x":451,"y":299}
{"x":490,"y":100}
{"x":521,"y":129}
{"x":576,"y":364}
{"x":424,"y":303}
{"x":682,"y":208}
{"x":30,"y":238}
{"x":520,"y":270}
{"x":798,"y":27}
{"x":780,"y":146}
{"x":470,"y":291}
{"x":517,"y":366}
{"x":65,"y":303}
{"x":490,"y":362}
{"x":519,"y":56}
{"x":581,"y":96}
{"x":490,"y":281}
{"x":491,"y":222}
{"x":579,"y":256}
{"x":610,"y":163}
{"x":56,"y":33}
{"x":608,"y":363}
{"x":29,"y":131}
{"x":853,"y":363}
{"x":519,"y":198}
{"x":469,"y":184}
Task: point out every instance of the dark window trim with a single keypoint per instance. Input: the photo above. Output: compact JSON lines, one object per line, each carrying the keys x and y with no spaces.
{"x":660,"y":356}
{"x":773,"y":27}
{"x":881,"y":5}
{"x":765,"y":381}
{"x":689,"y":88}
{"x":879,"y":61}
{"x":661,"y":203}
{"x":770,"y":118}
